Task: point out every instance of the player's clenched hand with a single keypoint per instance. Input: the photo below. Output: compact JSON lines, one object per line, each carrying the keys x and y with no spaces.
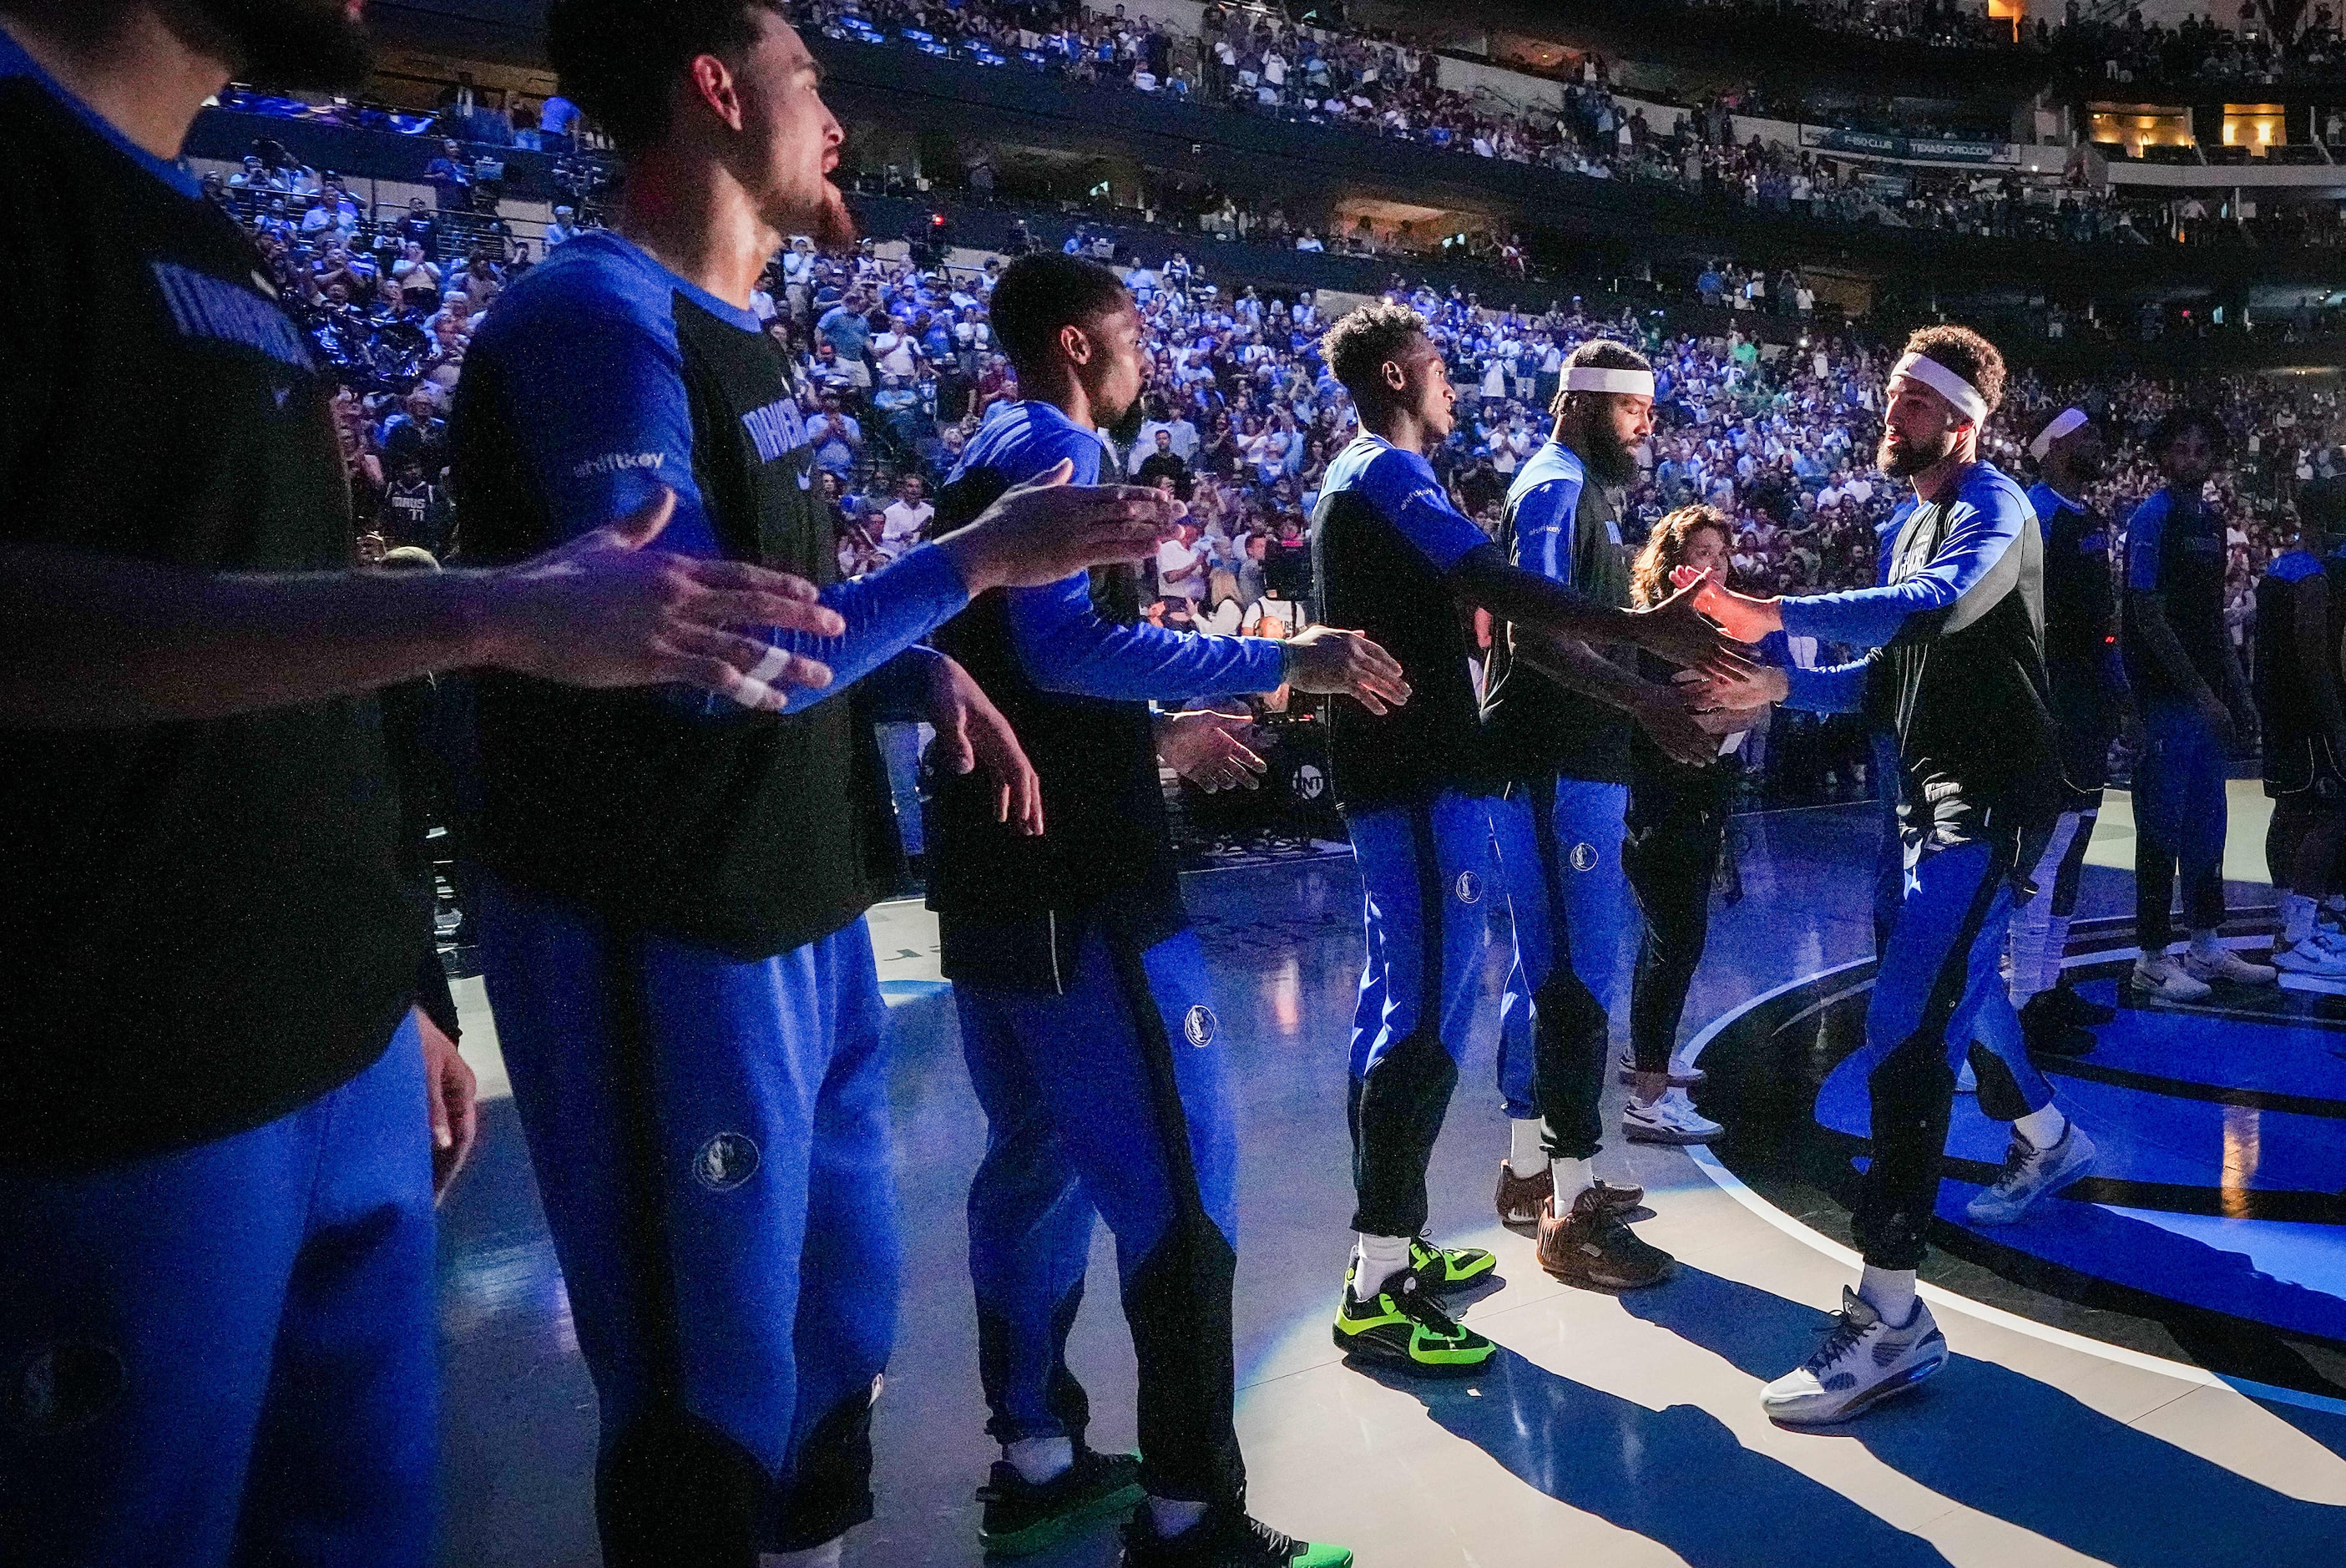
{"x":451,"y":1102}
{"x":604,"y":611}
{"x":1213,"y":750}
{"x":1674,"y":630}
{"x":1345,"y":663}
{"x":973,"y":734}
{"x":1047,"y":529}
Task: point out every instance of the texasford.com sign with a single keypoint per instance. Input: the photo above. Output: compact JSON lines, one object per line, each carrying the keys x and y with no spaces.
{"x":1882,"y":145}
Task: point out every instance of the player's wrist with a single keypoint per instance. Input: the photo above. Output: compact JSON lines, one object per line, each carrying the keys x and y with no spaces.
{"x":969,"y":552}
{"x":478,"y":618}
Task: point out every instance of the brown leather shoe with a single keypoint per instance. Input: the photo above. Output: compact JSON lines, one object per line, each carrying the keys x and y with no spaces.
{"x":1593,"y":1246}
{"x":1522,"y":1199}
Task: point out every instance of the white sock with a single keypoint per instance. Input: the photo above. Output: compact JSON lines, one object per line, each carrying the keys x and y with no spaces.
{"x":2297,"y":914}
{"x":1524,"y":1154}
{"x":1041,"y":1460}
{"x":1172,"y":1515}
{"x":1572,"y":1177}
{"x":1375,"y":1260}
{"x":2154,"y":957}
{"x":2043,"y":1128}
{"x":2204,"y":945}
{"x":1890,"y":1292}
{"x":826,"y":1556}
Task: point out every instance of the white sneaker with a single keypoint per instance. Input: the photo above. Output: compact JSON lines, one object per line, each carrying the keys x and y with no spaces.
{"x":2029,"y":1173}
{"x":2163,"y":978}
{"x":1684,"y":1073}
{"x":2310,"y":957}
{"x":1966,"y":1081}
{"x":2223,"y":964}
{"x":1862,"y":1362}
{"x":1672,"y":1119}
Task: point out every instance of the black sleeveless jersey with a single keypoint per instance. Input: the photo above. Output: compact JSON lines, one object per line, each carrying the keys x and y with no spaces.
{"x":750,"y":833}
{"x":206,"y":923}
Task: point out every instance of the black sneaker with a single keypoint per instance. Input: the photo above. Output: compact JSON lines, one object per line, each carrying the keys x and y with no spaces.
{"x":1022,"y":1517}
{"x":2063,"y":1003}
{"x":2048,"y":1034}
{"x":1402,"y":1327}
{"x":1225,"y":1538}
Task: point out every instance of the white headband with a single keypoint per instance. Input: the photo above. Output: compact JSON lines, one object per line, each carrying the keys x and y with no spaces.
{"x":1965,"y":396}
{"x":1606,"y":379}
{"x":2067,"y":421}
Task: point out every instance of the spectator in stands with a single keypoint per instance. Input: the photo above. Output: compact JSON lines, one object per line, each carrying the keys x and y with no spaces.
{"x":1180,"y":566}
{"x":565,"y":226}
{"x":836,"y":438}
{"x":450,"y":174}
{"x":905,"y":521}
{"x":1164,"y":464}
{"x":558,"y":125}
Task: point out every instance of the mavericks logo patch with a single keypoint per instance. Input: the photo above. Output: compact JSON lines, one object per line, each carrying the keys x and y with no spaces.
{"x":1584,"y":857}
{"x":725,"y":1162}
{"x":1470,"y":886}
{"x":1199,"y":1026}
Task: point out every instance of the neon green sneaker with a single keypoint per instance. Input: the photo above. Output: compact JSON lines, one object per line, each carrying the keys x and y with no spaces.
{"x":1403,"y":1327}
{"x":1441,"y":1268}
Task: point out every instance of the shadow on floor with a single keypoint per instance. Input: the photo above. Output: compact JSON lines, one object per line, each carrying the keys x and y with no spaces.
{"x":1678,"y":1476}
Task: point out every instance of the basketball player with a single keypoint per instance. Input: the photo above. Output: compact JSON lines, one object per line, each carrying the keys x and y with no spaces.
{"x":1392,"y":556}
{"x":1091,"y":1036}
{"x":1556,"y":717}
{"x":1958,"y":674}
{"x":2089,"y":700}
{"x":673,"y":892}
{"x":2304,"y":727}
{"x":2193,"y":701}
{"x":217,"y":1335}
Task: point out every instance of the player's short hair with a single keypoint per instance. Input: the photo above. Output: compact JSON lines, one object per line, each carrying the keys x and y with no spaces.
{"x":1362,"y":342}
{"x":1037,"y":295}
{"x":618,"y":59}
{"x":2178,"y":420}
{"x":1967,"y":354}
{"x":1596,"y":354}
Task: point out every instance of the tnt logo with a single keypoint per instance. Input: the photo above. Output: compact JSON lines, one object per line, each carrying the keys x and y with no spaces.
{"x":1584,"y":857}
{"x":725,"y":1162}
{"x":1310,"y":783}
{"x":1199,"y":1026}
{"x":1470,"y":888}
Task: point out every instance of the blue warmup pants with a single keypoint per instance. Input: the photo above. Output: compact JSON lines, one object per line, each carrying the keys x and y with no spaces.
{"x":1425,"y":869}
{"x":1560,"y":856}
{"x":1937,"y":986}
{"x":712,"y":1137}
{"x":227,"y":1354}
{"x":2178,"y":819}
{"x":1110,"y":1100}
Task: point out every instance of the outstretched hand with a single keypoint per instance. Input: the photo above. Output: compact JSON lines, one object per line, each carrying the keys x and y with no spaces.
{"x":1213,"y":750}
{"x":1742,"y":617}
{"x":1674,"y":630}
{"x":1046,"y":529}
{"x":1664,"y":716}
{"x":605,"y":610}
{"x":1346,"y":663}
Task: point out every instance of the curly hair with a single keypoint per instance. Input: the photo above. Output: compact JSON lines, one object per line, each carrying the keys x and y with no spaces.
{"x":1666,"y":548}
{"x":1363,"y":341}
{"x":1967,"y":354}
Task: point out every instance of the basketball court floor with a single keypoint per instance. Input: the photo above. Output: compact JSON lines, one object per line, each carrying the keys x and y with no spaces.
{"x":2149,"y":1371}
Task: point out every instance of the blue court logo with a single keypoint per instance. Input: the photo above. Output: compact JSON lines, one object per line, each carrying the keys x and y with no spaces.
{"x":725,"y":1162}
{"x":1584,"y":857}
{"x":1199,"y":1026}
{"x":63,"y":1388}
{"x":1470,"y":888}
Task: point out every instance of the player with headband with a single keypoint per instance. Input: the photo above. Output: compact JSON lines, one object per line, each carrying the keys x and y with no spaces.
{"x":2089,"y":702}
{"x":1415,"y":791}
{"x":1957,"y":673}
{"x":1556,"y":717}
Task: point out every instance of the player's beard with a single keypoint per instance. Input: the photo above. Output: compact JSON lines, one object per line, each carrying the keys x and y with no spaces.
{"x":313,"y":44}
{"x":835,"y":226}
{"x":1613,"y":463}
{"x":1906,"y":461}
